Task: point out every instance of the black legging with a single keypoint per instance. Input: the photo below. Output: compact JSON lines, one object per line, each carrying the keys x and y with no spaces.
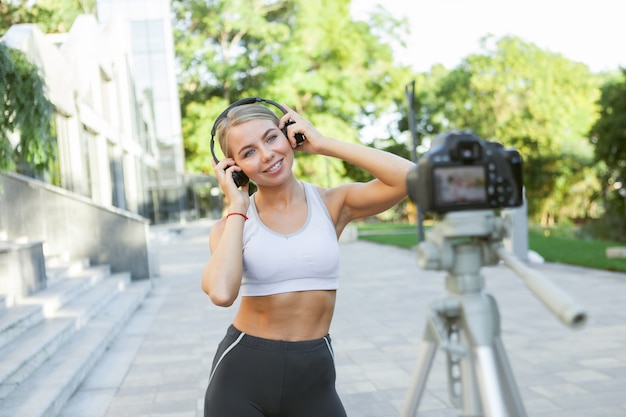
{"x":254,"y":377}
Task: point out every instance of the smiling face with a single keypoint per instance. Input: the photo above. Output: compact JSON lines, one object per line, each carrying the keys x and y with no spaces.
{"x":261,"y":150}
{"x":249,"y":134}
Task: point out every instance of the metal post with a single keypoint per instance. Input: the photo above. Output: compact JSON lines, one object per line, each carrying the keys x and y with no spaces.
{"x":410,"y":96}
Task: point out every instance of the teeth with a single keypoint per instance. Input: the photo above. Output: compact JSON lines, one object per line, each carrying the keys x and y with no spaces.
{"x":274,"y":167}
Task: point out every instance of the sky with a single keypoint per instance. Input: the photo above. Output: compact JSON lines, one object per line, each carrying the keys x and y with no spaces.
{"x":446,"y":31}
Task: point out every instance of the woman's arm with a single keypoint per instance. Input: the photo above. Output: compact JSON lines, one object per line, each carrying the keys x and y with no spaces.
{"x":357,"y":200}
{"x":221,"y":277}
{"x":360,"y":200}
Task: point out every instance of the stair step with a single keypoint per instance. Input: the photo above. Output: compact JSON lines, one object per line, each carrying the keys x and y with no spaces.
{"x":21,"y":357}
{"x":49,"y":387}
{"x":16,"y":320}
{"x":58,"y":268}
{"x":96,"y":393}
{"x":60,"y":293}
{"x":25,"y":354}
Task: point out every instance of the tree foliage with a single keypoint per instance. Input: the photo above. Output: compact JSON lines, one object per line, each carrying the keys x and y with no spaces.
{"x":312,"y":56}
{"x":52,"y":16}
{"x":14,"y":12}
{"x":62,"y":13}
{"x":309,"y":55}
{"x":608,"y":135}
{"x":25,"y":114}
{"x":538,"y":102}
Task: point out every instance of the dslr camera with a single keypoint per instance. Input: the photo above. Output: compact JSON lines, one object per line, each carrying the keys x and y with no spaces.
{"x":461,"y":171}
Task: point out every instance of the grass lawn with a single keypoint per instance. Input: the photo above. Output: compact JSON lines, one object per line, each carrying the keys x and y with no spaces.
{"x":575,"y":251}
{"x":554,"y":246}
{"x":403,"y":235}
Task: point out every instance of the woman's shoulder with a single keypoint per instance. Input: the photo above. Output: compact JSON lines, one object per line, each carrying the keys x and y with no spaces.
{"x":326,"y":190}
{"x":336,"y":192}
{"x":334,"y":199}
{"x":323,"y":192}
{"x":315,"y":187}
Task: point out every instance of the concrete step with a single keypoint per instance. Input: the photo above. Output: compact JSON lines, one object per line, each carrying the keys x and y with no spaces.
{"x":49,"y":386}
{"x":23,"y":355}
{"x":47,"y":303}
{"x":58,"y":268}
{"x":18,"y":318}
{"x":98,"y":390}
{"x":60,"y":293}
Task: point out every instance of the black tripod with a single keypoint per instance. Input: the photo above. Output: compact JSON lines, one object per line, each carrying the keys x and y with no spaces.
{"x":466,"y":323}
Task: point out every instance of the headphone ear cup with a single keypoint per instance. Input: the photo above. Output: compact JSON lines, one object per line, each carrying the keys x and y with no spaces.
{"x":299,"y":136}
{"x":240,"y":178}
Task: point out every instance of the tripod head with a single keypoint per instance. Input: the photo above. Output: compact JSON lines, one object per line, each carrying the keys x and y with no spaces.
{"x":464,"y":241}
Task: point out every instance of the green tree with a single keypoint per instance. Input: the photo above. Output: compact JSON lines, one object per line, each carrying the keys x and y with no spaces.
{"x":52,"y":16}
{"x":309,"y":55}
{"x":60,"y":14}
{"x":608,"y":135}
{"x":13,"y":12}
{"x":537,"y":101}
{"x":25,"y":115}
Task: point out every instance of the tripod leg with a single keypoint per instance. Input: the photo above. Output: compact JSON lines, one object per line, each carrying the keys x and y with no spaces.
{"x":425,"y":358}
{"x":468,"y":400}
{"x":496,"y":385}
{"x":512,"y":395}
{"x":418,"y":380}
{"x":489,"y":381}
{"x":498,"y":390}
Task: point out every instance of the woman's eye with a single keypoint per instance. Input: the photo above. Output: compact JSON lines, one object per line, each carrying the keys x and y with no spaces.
{"x":272,"y":138}
{"x":248,"y":153}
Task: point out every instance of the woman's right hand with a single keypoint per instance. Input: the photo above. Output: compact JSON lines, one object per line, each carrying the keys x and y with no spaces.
{"x":237,"y":198}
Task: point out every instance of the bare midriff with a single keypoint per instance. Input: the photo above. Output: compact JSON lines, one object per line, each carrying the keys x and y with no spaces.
{"x":293,"y":316}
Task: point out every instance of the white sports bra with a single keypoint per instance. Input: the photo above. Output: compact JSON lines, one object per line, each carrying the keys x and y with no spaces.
{"x":308,"y":259}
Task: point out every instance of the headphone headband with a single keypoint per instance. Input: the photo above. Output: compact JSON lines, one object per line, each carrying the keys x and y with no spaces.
{"x":240,"y":177}
{"x":243,"y":101}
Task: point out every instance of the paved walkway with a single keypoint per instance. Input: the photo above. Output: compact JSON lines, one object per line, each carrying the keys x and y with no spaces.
{"x":160,"y":364}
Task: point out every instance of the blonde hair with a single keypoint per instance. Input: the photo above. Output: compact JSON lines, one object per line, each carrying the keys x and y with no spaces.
{"x":239,"y":115}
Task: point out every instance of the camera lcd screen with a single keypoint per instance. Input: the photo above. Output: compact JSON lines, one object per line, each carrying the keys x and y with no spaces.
{"x":459,"y":185}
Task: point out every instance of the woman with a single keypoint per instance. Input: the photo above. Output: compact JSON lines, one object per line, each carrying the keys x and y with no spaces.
{"x":279,"y":250}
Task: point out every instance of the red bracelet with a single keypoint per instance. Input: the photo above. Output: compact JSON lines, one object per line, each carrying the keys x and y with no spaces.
{"x":238,"y":214}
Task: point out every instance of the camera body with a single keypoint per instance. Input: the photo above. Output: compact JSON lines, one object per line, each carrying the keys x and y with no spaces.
{"x":461,"y":171}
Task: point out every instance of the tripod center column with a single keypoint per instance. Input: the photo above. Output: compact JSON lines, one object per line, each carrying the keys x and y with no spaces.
{"x":464,"y":276}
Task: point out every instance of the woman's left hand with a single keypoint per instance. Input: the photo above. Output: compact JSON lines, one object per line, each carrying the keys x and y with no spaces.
{"x":298,"y":125}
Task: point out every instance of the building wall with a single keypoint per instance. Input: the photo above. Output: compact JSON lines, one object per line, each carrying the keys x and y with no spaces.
{"x":113,"y":84}
{"x":72,"y":227}
{"x":152,"y":53}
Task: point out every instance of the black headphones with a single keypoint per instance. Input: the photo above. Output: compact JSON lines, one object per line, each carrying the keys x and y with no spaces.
{"x":238,"y":176}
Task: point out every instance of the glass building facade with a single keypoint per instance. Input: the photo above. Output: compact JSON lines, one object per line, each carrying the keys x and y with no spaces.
{"x":152,"y":63}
